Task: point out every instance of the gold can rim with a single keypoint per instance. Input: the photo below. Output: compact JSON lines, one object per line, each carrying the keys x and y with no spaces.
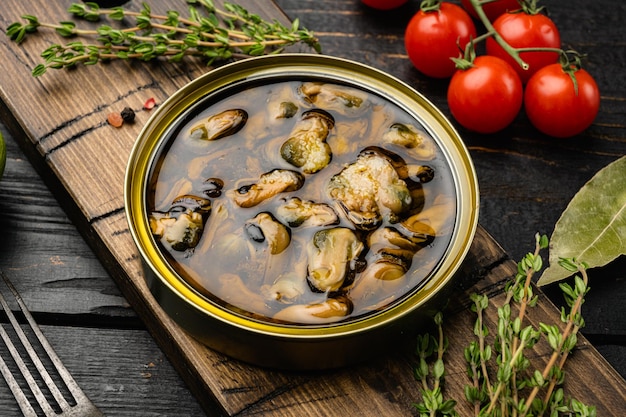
{"x":305,"y":65}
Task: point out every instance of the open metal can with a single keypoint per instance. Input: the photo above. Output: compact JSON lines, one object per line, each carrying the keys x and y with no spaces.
{"x":224,"y":190}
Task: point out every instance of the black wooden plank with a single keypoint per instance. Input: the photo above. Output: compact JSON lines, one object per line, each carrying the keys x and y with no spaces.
{"x":122,"y":371}
{"x":41,"y":250}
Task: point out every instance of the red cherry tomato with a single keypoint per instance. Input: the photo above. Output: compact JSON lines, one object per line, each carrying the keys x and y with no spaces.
{"x":493,"y":9}
{"x":384,"y":4}
{"x":433,"y":37}
{"x":521,"y":30}
{"x":487,"y":97}
{"x":553,"y":106}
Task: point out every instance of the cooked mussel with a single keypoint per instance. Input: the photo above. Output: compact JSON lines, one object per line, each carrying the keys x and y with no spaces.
{"x":190,"y":202}
{"x":434,"y":220}
{"x":284,"y":110}
{"x":333,"y":256}
{"x":420,"y":174}
{"x":369,"y":190}
{"x":219,"y":125}
{"x":344,"y":100}
{"x":264,"y":228}
{"x":286,"y":288}
{"x":281,"y":103}
{"x":377,"y":285}
{"x":412,"y":138}
{"x":270,"y":184}
{"x":389,"y":259}
{"x":182,"y":225}
{"x":362,"y":220}
{"x":388,"y":244}
{"x":386,"y":269}
{"x":419,"y":227}
{"x":306,"y":147}
{"x":328,"y":311}
{"x":296,"y":212}
{"x":212,"y":187}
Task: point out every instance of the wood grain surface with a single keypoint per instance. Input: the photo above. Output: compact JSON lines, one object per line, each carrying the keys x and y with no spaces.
{"x":60,"y":122}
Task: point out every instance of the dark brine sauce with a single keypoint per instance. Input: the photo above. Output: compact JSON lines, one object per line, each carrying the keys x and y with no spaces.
{"x":302,"y":202}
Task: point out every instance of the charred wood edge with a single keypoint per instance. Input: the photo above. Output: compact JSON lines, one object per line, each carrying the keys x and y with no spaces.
{"x":191,"y":377}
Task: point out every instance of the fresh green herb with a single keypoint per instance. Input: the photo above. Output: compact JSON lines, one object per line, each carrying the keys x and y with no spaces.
{"x":503,"y":379}
{"x":209,"y":32}
{"x":431,"y":378}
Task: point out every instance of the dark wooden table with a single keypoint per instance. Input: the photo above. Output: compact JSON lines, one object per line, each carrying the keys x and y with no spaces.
{"x":526,"y":181}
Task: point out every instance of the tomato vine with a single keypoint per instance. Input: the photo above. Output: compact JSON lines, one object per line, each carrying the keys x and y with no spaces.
{"x":546,"y":116}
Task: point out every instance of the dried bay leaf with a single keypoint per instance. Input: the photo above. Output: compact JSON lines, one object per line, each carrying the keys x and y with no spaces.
{"x":592,"y":228}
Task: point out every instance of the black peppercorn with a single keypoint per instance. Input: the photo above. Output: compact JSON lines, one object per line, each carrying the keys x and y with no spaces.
{"x":128,"y":115}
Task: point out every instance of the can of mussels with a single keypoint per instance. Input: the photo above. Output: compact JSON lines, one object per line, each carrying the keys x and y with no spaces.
{"x":300,"y":211}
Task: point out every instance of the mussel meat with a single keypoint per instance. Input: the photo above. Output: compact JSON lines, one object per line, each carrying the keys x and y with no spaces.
{"x":284,"y":110}
{"x":235,"y":292}
{"x":377,"y":285}
{"x":212,"y":187}
{"x":386,"y":270}
{"x":420,"y":174}
{"x":219,"y":125}
{"x":332,"y":258}
{"x":182,"y":225}
{"x":306,"y":147}
{"x":410,"y":137}
{"x":388,"y":244}
{"x":435,"y":220}
{"x":296,"y":212}
{"x":329,"y":311}
{"x":264,"y":228}
{"x":190,"y":202}
{"x":286,"y":288}
{"x":344,"y":100}
{"x":270,"y":184}
{"x":370,"y":189}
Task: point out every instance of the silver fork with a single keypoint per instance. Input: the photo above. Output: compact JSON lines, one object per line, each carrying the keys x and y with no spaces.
{"x":59,"y":405}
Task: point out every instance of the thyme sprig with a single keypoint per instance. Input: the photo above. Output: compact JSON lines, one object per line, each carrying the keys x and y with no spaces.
{"x":432,"y":378}
{"x":210,"y":32}
{"x":503,"y":380}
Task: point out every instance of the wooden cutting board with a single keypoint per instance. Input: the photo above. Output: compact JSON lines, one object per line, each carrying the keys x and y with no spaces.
{"x":60,"y":120}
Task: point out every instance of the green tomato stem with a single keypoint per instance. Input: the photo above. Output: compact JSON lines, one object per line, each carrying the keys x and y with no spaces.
{"x":430,"y":5}
{"x":491,"y":31}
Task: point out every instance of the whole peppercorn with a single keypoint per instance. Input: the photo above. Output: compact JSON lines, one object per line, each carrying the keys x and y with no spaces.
{"x":115,"y":119}
{"x":128,"y":115}
{"x":149,"y":104}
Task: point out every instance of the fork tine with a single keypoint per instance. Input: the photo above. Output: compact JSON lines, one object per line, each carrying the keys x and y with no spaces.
{"x":19,"y":395}
{"x":68,"y":380}
{"x":31,"y":352}
{"x":23,"y":402}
